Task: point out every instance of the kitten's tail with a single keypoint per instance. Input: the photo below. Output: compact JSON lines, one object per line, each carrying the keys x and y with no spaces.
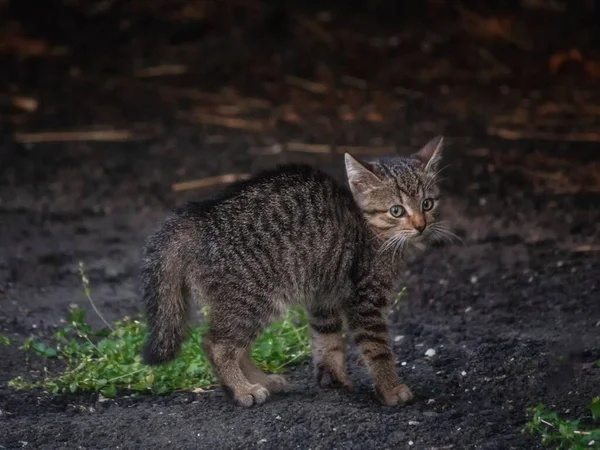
{"x":165,"y":299}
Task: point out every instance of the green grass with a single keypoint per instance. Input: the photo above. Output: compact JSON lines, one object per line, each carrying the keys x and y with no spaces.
{"x":4,"y":341}
{"x":109,"y":361}
{"x":562,"y":433}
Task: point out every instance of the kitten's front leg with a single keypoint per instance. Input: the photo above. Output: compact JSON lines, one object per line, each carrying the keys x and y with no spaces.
{"x":328,"y":348}
{"x":369,"y":328}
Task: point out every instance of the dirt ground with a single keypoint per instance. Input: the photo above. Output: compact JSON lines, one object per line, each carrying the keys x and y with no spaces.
{"x":198,"y":91}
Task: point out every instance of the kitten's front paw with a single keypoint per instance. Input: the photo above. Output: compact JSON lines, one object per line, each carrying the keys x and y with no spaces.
{"x":398,"y":395}
{"x":327,"y":378}
{"x":257,"y":395}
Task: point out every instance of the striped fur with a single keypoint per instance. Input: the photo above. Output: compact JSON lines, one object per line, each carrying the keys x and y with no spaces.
{"x":291,"y":235}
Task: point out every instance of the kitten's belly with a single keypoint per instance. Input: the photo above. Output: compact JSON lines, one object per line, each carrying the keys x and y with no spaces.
{"x":327,"y":295}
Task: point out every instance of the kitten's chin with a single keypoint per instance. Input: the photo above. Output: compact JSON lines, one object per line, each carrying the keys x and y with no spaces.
{"x":418,"y":242}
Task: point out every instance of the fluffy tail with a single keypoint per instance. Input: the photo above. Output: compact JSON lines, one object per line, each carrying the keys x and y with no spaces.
{"x":165,"y":301}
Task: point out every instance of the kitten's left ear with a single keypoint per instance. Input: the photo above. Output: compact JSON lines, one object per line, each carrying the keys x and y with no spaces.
{"x":360,"y":177}
{"x":431,"y":153}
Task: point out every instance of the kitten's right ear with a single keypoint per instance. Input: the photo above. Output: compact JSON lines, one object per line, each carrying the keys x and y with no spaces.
{"x":360,"y":178}
{"x":431,"y":153}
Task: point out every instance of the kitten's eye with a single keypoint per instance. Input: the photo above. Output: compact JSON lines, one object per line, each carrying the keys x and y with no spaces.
{"x":397,"y":211}
{"x":427,"y":204}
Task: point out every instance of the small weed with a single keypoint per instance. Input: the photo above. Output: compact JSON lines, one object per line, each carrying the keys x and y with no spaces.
{"x":4,"y":340}
{"x":109,"y":359}
{"x":562,"y":433}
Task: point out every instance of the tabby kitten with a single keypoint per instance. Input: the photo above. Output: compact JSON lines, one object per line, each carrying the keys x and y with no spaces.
{"x":292,"y":236}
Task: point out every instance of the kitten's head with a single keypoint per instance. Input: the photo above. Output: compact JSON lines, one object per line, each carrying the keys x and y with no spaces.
{"x":399,"y":195}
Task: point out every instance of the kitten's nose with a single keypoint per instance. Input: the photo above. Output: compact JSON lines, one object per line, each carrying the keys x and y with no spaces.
{"x":420,"y":228}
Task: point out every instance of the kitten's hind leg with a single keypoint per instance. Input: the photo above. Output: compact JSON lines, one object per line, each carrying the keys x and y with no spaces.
{"x":225,"y":357}
{"x":328,"y":348}
{"x":273,"y":383}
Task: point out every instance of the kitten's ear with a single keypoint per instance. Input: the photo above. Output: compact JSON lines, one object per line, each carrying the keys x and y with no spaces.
{"x":431,"y":153}
{"x":360,"y":177}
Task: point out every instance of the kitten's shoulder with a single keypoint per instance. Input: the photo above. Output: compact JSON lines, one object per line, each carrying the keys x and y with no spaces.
{"x":287,"y":175}
{"x":275,"y":179}
{"x":300,"y":172}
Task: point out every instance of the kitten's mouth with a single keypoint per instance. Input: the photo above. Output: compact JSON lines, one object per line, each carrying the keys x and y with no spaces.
{"x":418,"y":234}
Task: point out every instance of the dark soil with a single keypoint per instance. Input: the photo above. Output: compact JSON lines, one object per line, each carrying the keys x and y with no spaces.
{"x":513,"y":314}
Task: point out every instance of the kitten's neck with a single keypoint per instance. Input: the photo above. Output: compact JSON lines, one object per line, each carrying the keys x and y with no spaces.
{"x":387,"y":260}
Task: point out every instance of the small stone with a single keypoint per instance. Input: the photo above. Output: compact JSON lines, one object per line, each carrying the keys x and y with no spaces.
{"x":111,"y":273}
{"x":394,"y":41}
{"x":403,"y":363}
{"x":430,"y":401}
{"x":262,"y":441}
{"x":468,"y":309}
{"x":430,"y":352}
{"x":277,"y":417}
{"x":413,"y":422}
{"x":463,"y":373}
{"x":559,"y":263}
{"x":474,"y":279}
{"x":398,"y":338}
{"x":411,"y":443}
{"x":482,"y":201}
{"x":324,"y":16}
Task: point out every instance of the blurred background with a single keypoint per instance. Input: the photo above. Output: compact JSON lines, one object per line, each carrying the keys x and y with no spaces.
{"x":281,"y":80}
{"x":113,"y":112}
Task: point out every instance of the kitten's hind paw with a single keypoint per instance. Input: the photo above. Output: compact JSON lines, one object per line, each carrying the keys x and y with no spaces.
{"x":328,"y":379}
{"x":275,"y":383}
{"x":257,"y":395}
{"x":398,"y":395}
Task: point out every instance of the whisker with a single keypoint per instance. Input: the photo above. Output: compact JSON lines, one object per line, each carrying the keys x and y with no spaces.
{"x":400,"y":246}
{"x":449,"y":232}
{"x":433,"y":177}
{"x":376,"y":236}
{"x":394,"y":240}
{"x":439,"y":236}
{"x":445,"y":233}
{"x":386,"y":244}
{"x":434,"y":182}
{"x":391,"y":241}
